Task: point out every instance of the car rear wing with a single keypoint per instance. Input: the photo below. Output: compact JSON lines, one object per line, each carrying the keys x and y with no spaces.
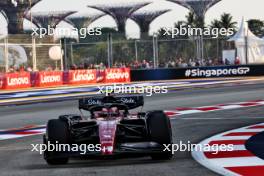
{"x":131,"y":102}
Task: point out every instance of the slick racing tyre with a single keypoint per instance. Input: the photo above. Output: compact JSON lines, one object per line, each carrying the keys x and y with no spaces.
{"x":57,"y":131}
{"x":159,"y":129}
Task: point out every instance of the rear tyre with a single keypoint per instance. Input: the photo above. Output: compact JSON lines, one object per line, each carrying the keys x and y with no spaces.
{"x":57,"y":131}
{"x":159,"y":128}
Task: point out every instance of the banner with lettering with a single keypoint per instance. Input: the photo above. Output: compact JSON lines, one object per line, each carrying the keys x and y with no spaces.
{"x":2,"y":76}
{"x":16,"y":80}
{"x":48,"y":79}
{"x":117,"y":75}
{"x":82,"y":77}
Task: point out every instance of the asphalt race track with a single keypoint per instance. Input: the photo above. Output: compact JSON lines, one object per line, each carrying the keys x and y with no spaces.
{"x":16,"y":159}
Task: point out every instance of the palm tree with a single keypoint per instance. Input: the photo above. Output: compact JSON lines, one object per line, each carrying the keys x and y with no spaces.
{"x":193,"y":21}
{"x":215,"y":24}
{"x":226,"y":21}
{"x":257,"y":27}
{"x":190,"y":19}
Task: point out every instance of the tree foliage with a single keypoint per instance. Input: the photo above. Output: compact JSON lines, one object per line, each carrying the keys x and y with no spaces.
{"x":257,"y":27}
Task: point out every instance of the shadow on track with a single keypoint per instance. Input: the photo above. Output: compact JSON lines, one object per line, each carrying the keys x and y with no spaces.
{"x":82,"y":162}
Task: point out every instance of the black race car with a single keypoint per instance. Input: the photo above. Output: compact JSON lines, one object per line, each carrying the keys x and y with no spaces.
{"x":111,"y":129}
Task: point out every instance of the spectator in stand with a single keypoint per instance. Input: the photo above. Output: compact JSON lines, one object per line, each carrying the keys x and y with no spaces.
{"x":11,"y":69}
{"x":21,"y":68}
{"x":29,"y":69}
{"x":162,"y":65}
{"x":144,"y":64}
{"x":49,"y":68}
{"x":102,"y":66}
{"x":191,"y":63}
{"x":73,"y":67}
{"x":237,"y":61}
{"x":227,"y":62}
{"x":210,"y":62}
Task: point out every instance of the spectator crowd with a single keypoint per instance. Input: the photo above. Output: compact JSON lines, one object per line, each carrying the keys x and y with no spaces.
{"x":144,"y":64}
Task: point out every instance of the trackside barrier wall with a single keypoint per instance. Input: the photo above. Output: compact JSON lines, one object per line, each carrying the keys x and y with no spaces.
{"x":47,"y":79}
{"x":1,"y":80}
{"x":57,"y":78}
{"x":117,"y":75}
{"x":197,"y":72}
{"x":79,"y":77}
{"x":122,"y":75}
{"x":19,"y":80}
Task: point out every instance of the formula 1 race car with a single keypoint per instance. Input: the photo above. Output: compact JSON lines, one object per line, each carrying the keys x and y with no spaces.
{"x":112,"y":129}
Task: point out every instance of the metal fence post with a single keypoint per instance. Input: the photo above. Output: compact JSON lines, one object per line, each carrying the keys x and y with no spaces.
{"x":62,"y":68}
{"x":110,"y":50}
{"x":6,"y":55}
{"x":157,"y":50}
{"x":202,"y":47}
{"x":34,"y":57}
{"x":154,"y":51}
{"x":65,"y":54}
{"x":72,"y":60}
{"x":136,"y":50}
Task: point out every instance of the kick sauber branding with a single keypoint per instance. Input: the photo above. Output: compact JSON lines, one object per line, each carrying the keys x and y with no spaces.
{"x":119,"y":75}
{"x":206,"y":72}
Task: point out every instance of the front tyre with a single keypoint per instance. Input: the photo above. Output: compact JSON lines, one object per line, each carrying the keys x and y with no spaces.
{"x":57,"y":131}
{"x":159,"y":129}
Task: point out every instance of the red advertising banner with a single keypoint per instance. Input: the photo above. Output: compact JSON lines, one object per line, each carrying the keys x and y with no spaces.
{"x":1,"y":80}
{"x":117,"y":75}
{"x":16,"y":80}
{"x":49,"y":79}
{"x":82,"y":76}
{"x":100,"y":76}
{"x":58,"y":78}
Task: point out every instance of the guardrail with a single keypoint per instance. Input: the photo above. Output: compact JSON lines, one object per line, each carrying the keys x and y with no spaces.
{"x":197,"y":72}
{"x":21,"y":80}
